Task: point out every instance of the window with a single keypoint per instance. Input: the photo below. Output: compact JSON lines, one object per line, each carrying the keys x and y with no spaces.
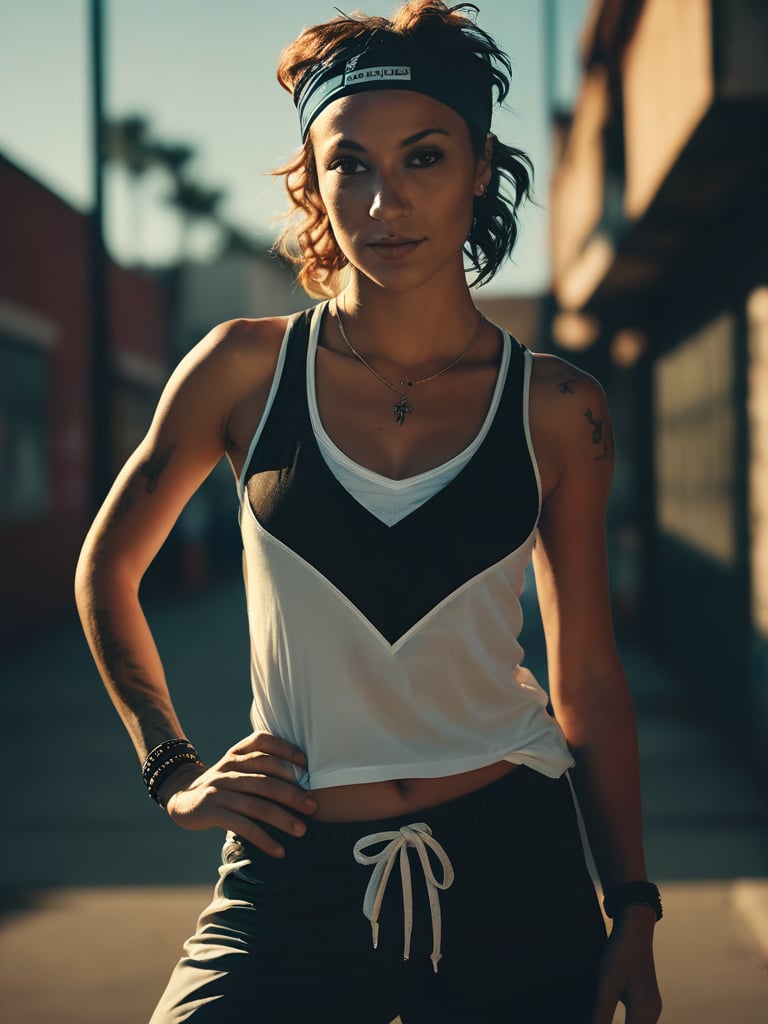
{"x":695,"y":441}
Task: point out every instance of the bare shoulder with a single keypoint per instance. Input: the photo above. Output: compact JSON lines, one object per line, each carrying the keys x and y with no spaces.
{"x":238,"y":342}
{"x":234,"y":357}
{"x":245,"y":355}
{"x":554,"y":377}
{"x":570,"y":422}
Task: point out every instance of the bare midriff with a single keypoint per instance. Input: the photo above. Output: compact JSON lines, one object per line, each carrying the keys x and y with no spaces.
{"x":368,"y":801}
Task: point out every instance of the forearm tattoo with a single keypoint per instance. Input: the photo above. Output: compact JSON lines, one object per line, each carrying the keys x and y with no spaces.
{"x":116,"y":656}
{"x":129,"y":679}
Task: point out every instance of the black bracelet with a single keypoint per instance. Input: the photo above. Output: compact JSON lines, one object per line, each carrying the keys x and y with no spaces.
{"x":164,"y":759}
{"x":633,"y":894}
{"x":161,"y":753}
{"x":167,"y":768}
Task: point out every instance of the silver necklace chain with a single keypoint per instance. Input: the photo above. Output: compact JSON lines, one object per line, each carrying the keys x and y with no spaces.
{"x":403,"y":407}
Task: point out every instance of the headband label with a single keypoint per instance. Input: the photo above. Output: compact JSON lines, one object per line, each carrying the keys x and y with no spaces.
{"x":353,"y":77}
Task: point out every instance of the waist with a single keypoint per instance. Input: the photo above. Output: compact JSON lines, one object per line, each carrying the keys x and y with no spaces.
{"x":509,"y":802}
{"x":374,"y":800}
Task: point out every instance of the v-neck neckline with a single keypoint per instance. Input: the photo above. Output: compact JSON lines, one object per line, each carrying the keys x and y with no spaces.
{"x":322,"y":438}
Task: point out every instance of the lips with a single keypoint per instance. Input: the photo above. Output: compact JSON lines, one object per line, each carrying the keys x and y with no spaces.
{"x":395,"y":248}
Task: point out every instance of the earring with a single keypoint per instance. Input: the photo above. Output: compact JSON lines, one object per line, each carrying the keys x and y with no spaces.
{"x":482,"y":193}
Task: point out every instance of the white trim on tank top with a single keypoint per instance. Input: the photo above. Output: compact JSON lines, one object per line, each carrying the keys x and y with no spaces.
{"x":432,"y":476}
{"x":267,"y":406}
{"x":387,"y":499}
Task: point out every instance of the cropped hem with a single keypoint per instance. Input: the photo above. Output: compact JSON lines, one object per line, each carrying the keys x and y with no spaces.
{"x":552,"y":767}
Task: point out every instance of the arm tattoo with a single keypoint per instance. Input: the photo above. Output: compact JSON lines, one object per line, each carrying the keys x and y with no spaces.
{"x":600,"y":438}
{"x":118,"y":659}
{"x":565,"y":386}
{"x":145,"y":478}
{"x":128,"y":680}
{"x":152,"y":469}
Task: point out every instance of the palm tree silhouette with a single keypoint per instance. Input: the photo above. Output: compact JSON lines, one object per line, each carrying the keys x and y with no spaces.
{"x":193,"y":201}
{"x":126,"y":141}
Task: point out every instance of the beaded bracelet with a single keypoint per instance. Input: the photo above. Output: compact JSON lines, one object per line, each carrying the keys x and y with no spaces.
{"x":166,"y":758}
{"x":161,"y":752}
{"x":633,"y":894}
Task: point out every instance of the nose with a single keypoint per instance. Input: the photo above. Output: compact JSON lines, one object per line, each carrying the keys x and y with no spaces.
{"x":388,"y":202}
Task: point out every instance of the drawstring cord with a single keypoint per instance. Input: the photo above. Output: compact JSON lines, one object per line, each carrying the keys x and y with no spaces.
{"x":419,"y":836}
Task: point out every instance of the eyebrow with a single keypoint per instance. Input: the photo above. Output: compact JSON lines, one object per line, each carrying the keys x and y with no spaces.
{"x":351,"y":144}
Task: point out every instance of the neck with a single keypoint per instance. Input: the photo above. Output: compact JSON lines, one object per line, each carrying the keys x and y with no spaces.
{"x":409,"y":328}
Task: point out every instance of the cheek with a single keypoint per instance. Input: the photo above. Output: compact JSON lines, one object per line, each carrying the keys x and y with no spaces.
{"x":339,"y":194}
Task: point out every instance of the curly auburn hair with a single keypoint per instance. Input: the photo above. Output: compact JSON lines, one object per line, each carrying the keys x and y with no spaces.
{"x":449,"y":35}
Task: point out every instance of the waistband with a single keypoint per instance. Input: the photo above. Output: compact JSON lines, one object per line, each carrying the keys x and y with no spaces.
{"x":484,"y":809}
{"x":500,"y":808}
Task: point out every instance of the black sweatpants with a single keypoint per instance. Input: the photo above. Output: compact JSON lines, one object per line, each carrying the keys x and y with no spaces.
{"x":520,"y":929}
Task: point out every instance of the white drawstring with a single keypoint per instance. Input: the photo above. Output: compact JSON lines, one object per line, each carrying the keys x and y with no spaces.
{"x":419,"y":836}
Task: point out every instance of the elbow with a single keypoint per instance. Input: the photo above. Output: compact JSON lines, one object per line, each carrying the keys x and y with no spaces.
{"x":604,"y":701}
{"x":100,"y":578}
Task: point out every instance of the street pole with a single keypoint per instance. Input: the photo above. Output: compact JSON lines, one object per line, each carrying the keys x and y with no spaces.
{"x":99,"y":369}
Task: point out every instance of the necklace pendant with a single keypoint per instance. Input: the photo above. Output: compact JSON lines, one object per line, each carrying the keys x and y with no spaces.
{"x":401,"y":409}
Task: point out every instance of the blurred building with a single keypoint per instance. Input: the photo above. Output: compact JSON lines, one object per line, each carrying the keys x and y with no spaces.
{"x":244,"y":280}
{"x":45,"y":444}
{"x":521,"y":315}
{"x":45,"y":441}
{"x":660,"y":287}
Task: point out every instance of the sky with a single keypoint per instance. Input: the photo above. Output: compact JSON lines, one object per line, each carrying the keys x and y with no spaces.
{"x":203,"y":73}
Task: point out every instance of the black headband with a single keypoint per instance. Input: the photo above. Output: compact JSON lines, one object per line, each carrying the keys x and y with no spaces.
{"x":365,"y":67}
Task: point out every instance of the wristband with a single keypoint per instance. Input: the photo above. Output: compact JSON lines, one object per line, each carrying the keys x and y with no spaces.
{"x":164,"y":759}
{"x":633,"y":894}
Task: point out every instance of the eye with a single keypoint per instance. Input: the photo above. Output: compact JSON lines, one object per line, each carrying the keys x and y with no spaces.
{"x":426,"y":158}
{"x":346,"y":165}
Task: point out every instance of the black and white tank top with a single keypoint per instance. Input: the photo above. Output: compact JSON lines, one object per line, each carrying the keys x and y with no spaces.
{"x":387,"y":648}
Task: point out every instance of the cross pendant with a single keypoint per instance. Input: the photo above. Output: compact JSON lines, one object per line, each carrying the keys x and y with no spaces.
{"x":401,"y":409}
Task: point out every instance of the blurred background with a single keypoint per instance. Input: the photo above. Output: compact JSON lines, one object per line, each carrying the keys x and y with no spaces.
{"x":137,"y":210}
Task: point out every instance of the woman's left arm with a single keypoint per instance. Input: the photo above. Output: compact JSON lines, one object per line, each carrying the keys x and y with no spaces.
{"x":588,"y":687}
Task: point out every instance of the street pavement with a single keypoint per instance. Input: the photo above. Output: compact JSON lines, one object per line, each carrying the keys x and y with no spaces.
{"x":98,"y":889}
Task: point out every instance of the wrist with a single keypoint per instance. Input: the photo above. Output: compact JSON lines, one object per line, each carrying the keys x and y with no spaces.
{"x":166,"y":760}
{"x":632,"y":897}
{"x":638,"y":919}
{"x":176,"y":781}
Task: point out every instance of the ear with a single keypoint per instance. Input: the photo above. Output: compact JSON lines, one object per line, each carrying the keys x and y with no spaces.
{"x":484,"y":167}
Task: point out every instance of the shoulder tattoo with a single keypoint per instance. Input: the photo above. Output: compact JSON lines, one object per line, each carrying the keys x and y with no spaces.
{"x":602,"y":437}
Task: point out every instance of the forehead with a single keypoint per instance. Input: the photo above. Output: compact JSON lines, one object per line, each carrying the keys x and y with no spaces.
{"x":383,"y":115}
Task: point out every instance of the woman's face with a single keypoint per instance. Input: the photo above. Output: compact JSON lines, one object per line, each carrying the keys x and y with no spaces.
{"x":398,"y":176}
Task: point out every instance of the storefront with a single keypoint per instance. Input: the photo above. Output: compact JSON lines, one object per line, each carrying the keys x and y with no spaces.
{"x":660,"y":285}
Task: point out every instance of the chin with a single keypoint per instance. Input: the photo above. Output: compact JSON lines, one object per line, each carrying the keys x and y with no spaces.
{"x":401,"y":278}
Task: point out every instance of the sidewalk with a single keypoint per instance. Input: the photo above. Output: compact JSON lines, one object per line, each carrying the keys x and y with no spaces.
{"x":99,"y":889}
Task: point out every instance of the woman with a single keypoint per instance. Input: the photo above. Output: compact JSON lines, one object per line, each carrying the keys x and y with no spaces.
{"x":398,"y":460}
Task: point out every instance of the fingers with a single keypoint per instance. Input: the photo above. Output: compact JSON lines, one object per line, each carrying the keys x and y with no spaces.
{"x":268,"y":789}
{"x":256,"y":813}
{"x":257,"y":763}
{"x":265,"y":743}
{"x":247,"y":829}
{"x":254,"y":782}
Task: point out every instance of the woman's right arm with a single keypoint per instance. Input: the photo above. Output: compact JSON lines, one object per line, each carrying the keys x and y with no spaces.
{"x":188,"y":436}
